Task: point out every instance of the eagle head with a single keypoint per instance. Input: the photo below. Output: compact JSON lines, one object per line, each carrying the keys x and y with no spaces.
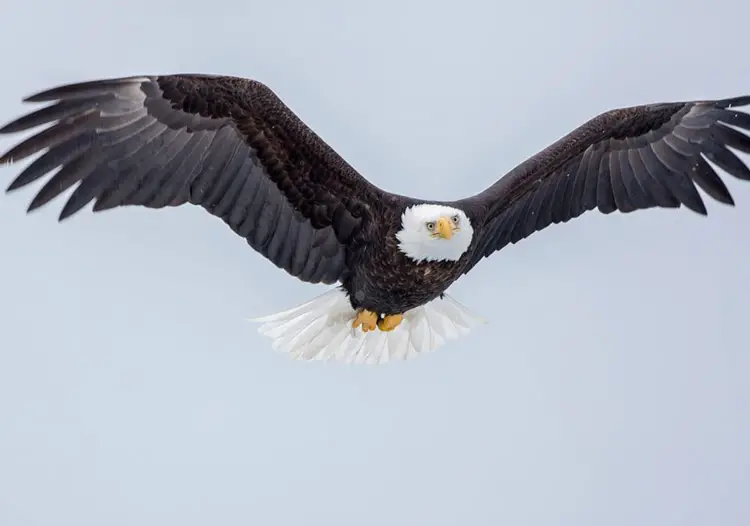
{"x":433,"y":232}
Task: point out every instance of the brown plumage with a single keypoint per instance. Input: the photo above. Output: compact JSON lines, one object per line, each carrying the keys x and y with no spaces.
{"x":226,"y":144}
{"x":625,"y":159}
{"x":231,"y":146}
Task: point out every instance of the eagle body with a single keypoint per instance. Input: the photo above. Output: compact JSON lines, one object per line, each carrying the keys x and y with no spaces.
{"x":230,"y":146}
{"x":385,"y":280}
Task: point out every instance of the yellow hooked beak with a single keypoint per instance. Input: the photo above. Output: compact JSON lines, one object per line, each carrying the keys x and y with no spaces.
{"x":444,"y":228}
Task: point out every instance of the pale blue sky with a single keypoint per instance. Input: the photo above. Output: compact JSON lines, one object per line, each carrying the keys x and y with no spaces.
{"x":609,"y":388}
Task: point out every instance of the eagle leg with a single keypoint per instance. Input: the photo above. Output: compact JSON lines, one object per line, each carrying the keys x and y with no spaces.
{"x":367,"y":319}
{"x":390,"y":322}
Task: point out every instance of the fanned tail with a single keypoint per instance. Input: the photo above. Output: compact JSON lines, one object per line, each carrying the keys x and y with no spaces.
{"x":321,"y":329}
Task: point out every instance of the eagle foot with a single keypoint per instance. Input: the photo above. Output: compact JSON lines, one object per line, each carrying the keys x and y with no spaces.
{"x":367,"y":319}
{"x":390,"y":322}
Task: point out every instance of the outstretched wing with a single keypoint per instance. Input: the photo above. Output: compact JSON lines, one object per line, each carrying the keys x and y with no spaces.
{"x":227,"y":144}
{"x":626,"y":159}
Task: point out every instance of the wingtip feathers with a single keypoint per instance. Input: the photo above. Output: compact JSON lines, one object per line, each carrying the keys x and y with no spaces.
{"x":735,"y":102}
{"x":71,"y":90}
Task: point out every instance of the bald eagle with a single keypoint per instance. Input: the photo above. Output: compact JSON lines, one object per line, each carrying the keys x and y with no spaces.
{"x":232,"y":147}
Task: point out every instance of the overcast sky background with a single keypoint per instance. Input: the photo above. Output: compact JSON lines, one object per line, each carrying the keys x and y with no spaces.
{"x":609,"y":388}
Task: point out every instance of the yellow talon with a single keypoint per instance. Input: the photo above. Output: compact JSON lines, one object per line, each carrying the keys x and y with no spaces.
{"x":390,"y":322}
{"x":367,"y":319}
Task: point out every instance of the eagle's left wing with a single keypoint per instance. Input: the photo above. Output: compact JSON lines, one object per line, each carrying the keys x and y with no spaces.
{"x":625,"y":159}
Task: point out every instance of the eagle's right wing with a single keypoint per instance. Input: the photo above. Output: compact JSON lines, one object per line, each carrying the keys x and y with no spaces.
{"x":227,"y":144}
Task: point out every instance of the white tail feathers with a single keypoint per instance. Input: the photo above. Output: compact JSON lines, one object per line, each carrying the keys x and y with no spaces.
{"x":321,"y":329}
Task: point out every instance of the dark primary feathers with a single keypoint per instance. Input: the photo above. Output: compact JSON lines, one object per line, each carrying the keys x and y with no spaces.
{"x":626,"y":159}
{"x":226,"y":144}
